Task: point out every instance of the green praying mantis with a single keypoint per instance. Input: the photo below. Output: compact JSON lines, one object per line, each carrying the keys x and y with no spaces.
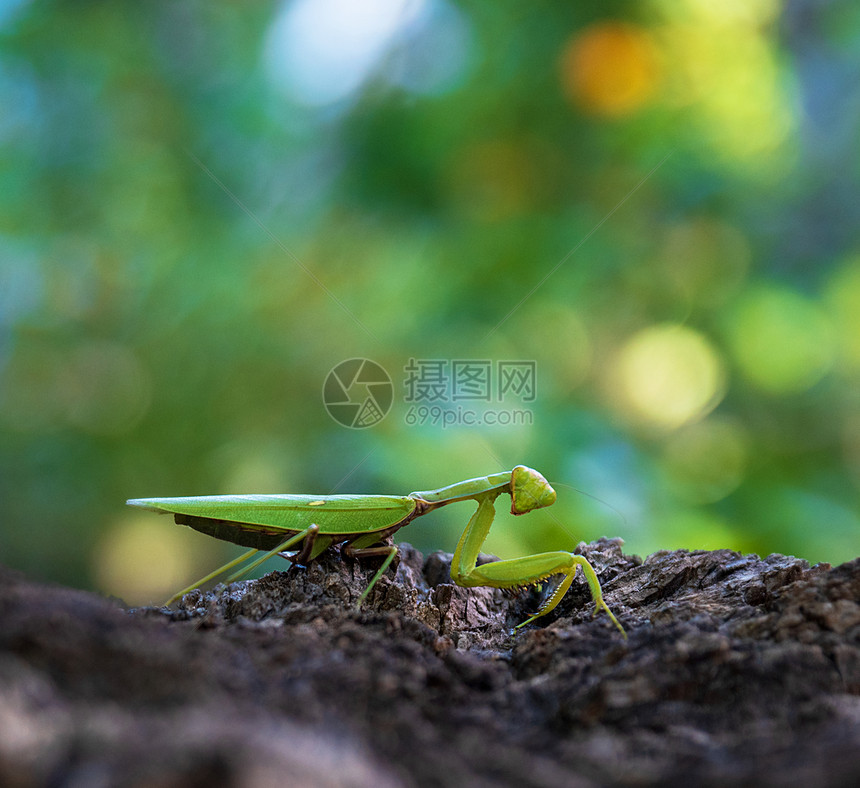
{"x":364,"y":525}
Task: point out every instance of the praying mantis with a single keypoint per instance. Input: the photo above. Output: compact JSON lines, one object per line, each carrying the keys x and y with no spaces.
{"x":364,"y":525}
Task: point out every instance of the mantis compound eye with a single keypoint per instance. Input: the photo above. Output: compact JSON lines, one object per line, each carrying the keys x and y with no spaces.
{"x":529,"y":490}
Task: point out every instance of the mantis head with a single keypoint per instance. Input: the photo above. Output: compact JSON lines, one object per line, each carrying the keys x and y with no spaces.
{"x":529,"y":490}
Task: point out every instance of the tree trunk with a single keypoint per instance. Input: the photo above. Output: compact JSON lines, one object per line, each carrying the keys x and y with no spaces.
{"x":738,"y":670}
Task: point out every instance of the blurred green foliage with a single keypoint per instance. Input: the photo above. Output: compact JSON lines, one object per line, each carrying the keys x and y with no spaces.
{"x":204,"y":207}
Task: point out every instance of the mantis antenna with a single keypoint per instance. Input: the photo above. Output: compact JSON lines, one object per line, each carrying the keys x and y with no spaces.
{"x":593,"y":498}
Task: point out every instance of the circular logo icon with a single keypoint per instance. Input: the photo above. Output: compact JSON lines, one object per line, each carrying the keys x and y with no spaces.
{"x":358,"y":393}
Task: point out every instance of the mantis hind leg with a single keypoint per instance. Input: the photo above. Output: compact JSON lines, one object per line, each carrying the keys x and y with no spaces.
{"x":211,"y":576}
{"x":311,"y":532}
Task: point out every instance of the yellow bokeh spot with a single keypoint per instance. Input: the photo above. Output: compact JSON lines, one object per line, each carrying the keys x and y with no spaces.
{"x":105,"y":388}
{"x":610,"y":69}
{"x":668,"y":375}
{"x":851,"y":447}
{"x":98,"y":387}
{"x":253,"y":464}
{"x":782,"y":341}
{"x":694,"y":529}
{"x":144,"y":558}
{"x":726,"y":70}
{"x":30,"y":390}
{"x":755,"y":13}
{"x":843,"y":298}
{"x":704,"y":260}
{"x":493,"y":179}
{"x":706,"y":461}
{"x":555,"y":336}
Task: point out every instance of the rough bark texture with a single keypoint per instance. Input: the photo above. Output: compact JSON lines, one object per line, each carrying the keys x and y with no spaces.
{"x":738,"y":671}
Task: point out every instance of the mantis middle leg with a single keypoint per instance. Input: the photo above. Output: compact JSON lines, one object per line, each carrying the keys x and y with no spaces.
{"x":364,"y":547}
{"x":518,"y":572}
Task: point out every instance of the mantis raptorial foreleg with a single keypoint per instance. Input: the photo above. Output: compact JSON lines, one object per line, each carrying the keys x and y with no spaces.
{"x":518,"y":572}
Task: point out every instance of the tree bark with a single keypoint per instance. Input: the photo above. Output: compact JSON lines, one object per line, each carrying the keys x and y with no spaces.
{"x":738,"y":670}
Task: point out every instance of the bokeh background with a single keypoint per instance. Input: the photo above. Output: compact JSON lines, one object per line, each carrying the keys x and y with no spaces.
{"x":206,"y":206}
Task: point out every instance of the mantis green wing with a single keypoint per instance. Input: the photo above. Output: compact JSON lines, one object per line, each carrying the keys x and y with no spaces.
{"x":333,"y":513}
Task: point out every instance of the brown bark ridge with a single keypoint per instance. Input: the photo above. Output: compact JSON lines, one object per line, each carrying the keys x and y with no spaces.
{"x":738,"y":671}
